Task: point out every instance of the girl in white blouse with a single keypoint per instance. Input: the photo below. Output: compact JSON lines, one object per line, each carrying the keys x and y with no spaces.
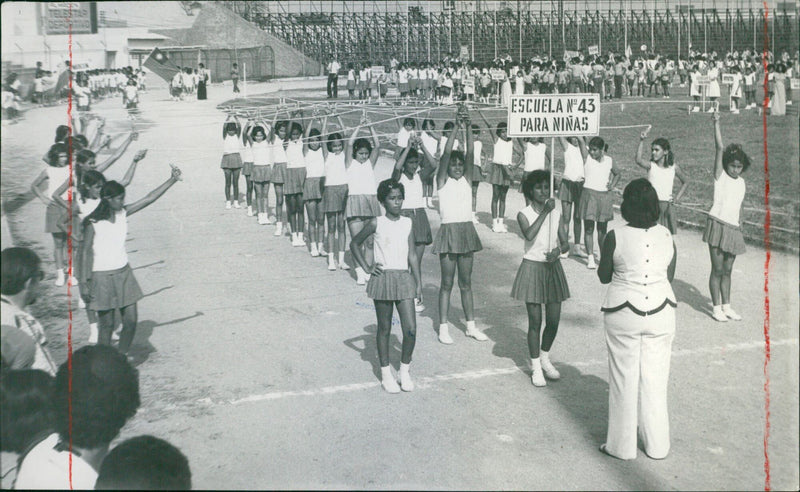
{"x":391,"y":284}
{"x":722,"y":233}
{"x":661,"y":172}
{"x":540,"y":278}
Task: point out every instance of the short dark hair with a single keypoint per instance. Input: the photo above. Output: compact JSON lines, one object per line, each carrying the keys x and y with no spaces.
{"x":361,"y":143}
{"x":26,"y":407}
{"x":56,"y":149}
{"x":17,"y":265}
{"x":533,"y":179}
{"x":598,"y":143}
{"x":104,"y":394}
{"x":640,"y":204}
{"x":387,"y":185}
{"x":146,"y":463}
{"x":410,"y":121}
{"x":734,"y":152}
{"x":500,"y":127}
{"x":333,"y":137}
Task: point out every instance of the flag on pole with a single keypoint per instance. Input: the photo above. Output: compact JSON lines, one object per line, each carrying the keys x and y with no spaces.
{"x":161,"y":65}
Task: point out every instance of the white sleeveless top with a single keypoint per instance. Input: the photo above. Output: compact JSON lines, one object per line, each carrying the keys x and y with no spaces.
{"x":262,"y":153}
{"x":56,"y":176}
{"x":477,"y":149}
{"x":662,"y":179}
{"x":534,"y":156}
{"x":335,"y":172}
{"x":413,"y":191}
{"x":402,"y":137}
{"x":315,"y":163}
{"x":573,"y":163}
{"x":294,"y":154}
{"x":443,"y":143}
{"x":108,"y":246}
{"x":231,"y":144}
{"x":430,"y":143}
{"x":86,"y":207}
{"x":391,"y":243}
{"x":361,"y":178}
{"x":597,"y":173}
{"x":455,"y":201}
{"x":247,"y":153}
{"x":728,"y":197}
{"x":537,"y":249}
{"x":503,"y":151}
{"x":641,"y":258}
{"x":278,"y":152}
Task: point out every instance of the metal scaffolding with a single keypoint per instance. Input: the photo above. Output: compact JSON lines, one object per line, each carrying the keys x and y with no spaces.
{"x":419,"y":31}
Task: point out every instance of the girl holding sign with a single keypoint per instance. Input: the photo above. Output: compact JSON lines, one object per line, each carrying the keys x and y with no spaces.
{"x":601,"y":174}
{"x":540,"y":278}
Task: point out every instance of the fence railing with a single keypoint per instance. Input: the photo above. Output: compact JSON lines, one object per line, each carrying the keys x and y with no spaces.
{"x":429,"y":36}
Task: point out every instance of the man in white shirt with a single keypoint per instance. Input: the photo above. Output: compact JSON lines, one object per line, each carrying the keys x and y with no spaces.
{"x":333,"y":78}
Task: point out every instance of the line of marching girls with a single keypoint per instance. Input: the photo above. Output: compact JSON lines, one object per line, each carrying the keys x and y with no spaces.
{"x":332,"y":173}
{"x":88,"y":212}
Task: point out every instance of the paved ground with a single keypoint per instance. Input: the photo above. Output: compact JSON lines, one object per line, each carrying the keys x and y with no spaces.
{"x":261,"y":365}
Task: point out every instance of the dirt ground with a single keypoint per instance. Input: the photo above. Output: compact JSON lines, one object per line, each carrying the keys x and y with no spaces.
{"x":261,"y":366}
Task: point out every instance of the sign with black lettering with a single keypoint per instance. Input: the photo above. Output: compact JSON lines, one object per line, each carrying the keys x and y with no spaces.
{"x":727,"y":78}
{"x":554,"y":115}
{"x":69,"y":17}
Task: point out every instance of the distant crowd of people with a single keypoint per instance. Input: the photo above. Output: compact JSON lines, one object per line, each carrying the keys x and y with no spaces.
{"x":613,"y":76}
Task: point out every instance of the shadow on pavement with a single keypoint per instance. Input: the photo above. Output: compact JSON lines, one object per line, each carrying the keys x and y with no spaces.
{"x":689,"y":294}
{"x":366,"y":346}
{"x":141,"y":348}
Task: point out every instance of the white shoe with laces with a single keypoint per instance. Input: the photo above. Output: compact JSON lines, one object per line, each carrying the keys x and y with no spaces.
{"x":537,"y":378}
{"x":730,"y":313}
{"x":549,"y":369}
{"x":236,"y":204}
{"x":590,"y":264}
{"x":249,"y":210}
{"x":278,"y":229}
{"x":444,"y":334}
{"x":228,"y":205}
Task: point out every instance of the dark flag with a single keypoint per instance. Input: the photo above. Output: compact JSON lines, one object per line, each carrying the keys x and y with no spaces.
{"x":161,"y":65}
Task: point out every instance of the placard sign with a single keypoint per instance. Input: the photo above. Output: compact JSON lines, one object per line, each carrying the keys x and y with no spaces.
{"x":497,"y":74}
{"x":464,"y":54}
{"x":794,"y":84}
{"x":569,"y":55}
{"x":469,"y":85}
{"x":554,"y":115}
{"x":594,"y":50}
{"x":703,"y":80}
{"x":377,"y":70}
{"x":66,"y":17}
{"x":727,"y":78}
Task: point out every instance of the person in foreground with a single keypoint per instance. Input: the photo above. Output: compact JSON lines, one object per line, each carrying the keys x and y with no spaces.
{"x":93,"y":399}
{"x":145,"y":463}
{"x":638,"y":261}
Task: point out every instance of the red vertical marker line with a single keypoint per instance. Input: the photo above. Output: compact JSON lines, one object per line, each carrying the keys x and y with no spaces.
{"x":69,"y":243}
{"x":767,"y":218}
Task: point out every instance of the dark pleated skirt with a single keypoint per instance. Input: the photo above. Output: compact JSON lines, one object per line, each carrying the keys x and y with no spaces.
{"x":458,"y":238}
{"x":392,"y":285}
{"x":540,"y":282}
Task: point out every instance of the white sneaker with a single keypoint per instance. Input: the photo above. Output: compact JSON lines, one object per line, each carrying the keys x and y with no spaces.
{"x":236,"y":204}
{"x":477,"y":335}
{"x":503,"y":228}
{"x":418,"y":306}
{"x":406,"y":384}
{"x":249,"y":210}
{"x":93,"y":334}
{"x":444,"y":335}
{"x":321,"y":250}
{"x":267,"y":219}
{"x":390,"y":385}
{"x":590,"y":264}
{"x":60,"y":278}
{"x":564,"y":256}
{"x":72,"y":281}
{"x":537,"y":378}
{"x":718,"y":315}
{"x":475,"y":218}
{"x":261,"y":219}
{"x":731,"y":314}
{"x":314,"y":251}
{"x":696,"y":109}
{"x":278,"y":229}
{"x":496,"y":227}
{"x":549,"y":369}
{"x":343,"y":266}
{"x":331,"y":264}
{"x":227,"y":205}
{"x":735,"y":111}
{"x":360,"y":277}
{"x":300,"y":240}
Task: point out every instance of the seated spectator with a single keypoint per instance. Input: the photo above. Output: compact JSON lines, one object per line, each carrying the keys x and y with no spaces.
{"x":145,"y":463}
{"x":90,"y":410}
{"x":22,"y":339}
{"x":26,"y":411}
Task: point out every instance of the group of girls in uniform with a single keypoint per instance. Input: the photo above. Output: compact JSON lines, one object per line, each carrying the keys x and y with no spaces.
{"x":87,"y":212}
{"x":334,"y":176}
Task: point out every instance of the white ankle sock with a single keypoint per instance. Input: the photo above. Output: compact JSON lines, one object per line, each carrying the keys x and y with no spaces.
{"x":544,"y":355}
{"x":471,"y":325}
{"x":341,"y":256}
{"x":536,"y":364}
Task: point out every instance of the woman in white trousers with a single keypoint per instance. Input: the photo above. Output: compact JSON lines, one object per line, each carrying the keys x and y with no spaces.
{"x":638,"y":261}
